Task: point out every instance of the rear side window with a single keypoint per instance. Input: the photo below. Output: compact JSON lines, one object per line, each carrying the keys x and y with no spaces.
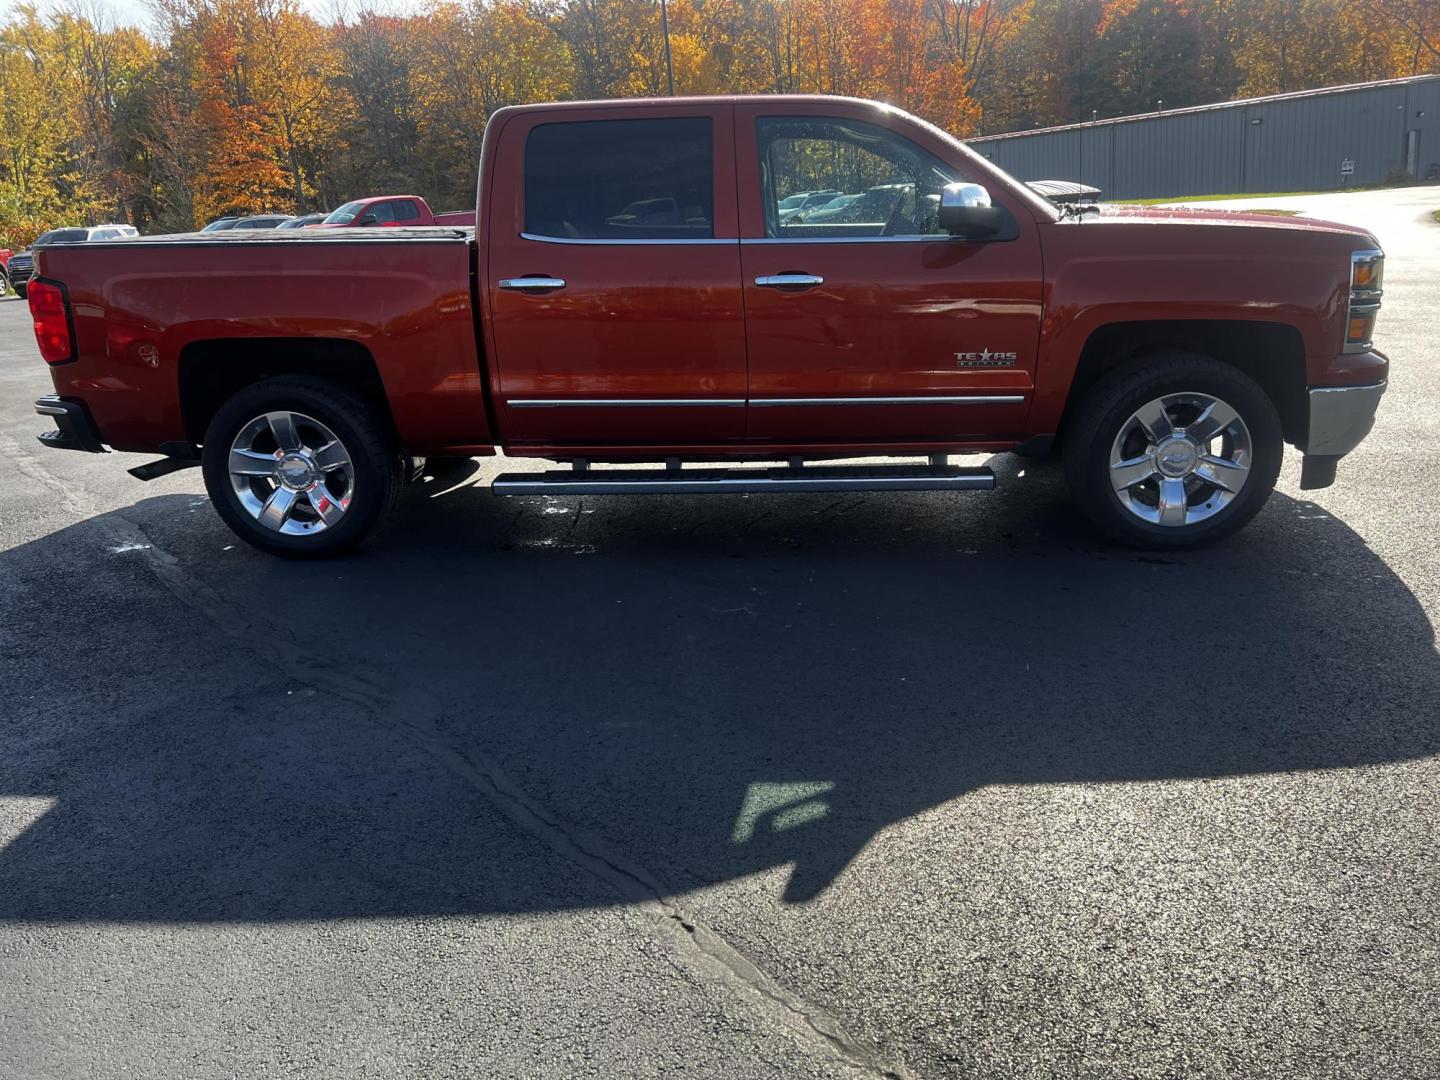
{"x":405,"y":210}
{"x":621,"y":180}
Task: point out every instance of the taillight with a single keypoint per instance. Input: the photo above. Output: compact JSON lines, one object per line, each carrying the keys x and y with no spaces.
{"x":1367,"y":272}
{"x":52,"y":321}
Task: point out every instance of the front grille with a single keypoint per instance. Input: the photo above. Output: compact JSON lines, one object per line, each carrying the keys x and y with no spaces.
{"x":21,"y":271}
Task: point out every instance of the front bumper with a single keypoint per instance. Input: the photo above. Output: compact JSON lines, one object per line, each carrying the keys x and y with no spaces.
{"x":74,"y":426}
{"x":20,"y":271}
{"x":1340,"y":417}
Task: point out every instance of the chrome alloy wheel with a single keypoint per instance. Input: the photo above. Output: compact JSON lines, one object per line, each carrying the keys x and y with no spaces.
{"x":291,"y":474}
{"x":1180,"y":459}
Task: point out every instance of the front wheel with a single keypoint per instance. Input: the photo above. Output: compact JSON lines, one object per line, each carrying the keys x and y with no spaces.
{"x":1176,"y":451}
{"x":4,"y":285}
{"x":299,"y":467}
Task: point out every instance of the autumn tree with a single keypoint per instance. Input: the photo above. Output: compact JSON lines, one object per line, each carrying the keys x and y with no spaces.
{"x":252,"y":105}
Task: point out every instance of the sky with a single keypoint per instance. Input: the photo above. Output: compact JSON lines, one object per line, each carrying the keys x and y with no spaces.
{"x":137,"y":12}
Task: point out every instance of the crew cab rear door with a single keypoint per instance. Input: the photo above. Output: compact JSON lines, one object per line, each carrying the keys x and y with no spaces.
{"x":613,"y":276}
{"x":866,"y":321}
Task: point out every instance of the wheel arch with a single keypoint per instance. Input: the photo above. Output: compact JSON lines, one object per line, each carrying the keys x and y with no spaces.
{"x":1271,"y":353}
{"x":213,"y":371}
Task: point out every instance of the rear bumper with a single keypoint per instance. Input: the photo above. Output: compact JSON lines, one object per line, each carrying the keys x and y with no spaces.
{"x":1340,"y":417}
{"x":74,"y":426}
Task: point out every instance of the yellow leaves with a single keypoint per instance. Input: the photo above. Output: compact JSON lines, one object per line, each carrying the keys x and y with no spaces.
{"x":60,"y":80}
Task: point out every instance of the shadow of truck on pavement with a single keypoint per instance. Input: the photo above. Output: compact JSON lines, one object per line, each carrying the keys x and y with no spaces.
{"x":713,"y":688}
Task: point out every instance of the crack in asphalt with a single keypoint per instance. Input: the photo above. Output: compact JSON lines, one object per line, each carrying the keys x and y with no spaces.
{"x":414,"y":712}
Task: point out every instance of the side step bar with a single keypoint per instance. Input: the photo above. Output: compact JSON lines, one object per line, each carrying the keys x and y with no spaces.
{"x":745,"y":481}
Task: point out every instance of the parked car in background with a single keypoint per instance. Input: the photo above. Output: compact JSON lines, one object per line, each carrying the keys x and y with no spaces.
{"x":222,"y":224}
{"x":804,"y":200}
{"x":22,"y":264}
{"x":5,"y":255}
{"x":304,"y":221}
{"x":262,"y":221}
{"x":392,"y":211}
{"x":827,"y":211}
{"x":1064,"y":191}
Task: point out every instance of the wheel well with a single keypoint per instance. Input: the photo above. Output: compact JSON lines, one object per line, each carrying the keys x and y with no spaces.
{"x":211,"y":372}
{"x":1272,"y":354}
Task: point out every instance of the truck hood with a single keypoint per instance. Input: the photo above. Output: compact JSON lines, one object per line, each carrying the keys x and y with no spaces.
{"x":1238,"y":218}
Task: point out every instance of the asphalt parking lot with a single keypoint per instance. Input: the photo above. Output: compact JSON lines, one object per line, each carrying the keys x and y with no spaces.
{"x":918,"y":785}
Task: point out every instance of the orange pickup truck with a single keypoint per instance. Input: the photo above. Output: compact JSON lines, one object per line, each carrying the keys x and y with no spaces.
{"x":635,"y":298}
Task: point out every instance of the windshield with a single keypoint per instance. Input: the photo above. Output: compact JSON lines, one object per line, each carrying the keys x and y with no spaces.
{"x":346,"y":213}
{"x":221,"y":225}
{"x":63,"y":236}
{"x":791,"y":202}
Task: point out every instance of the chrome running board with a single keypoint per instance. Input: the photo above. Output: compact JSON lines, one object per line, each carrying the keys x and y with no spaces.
{"x":676,"y":481}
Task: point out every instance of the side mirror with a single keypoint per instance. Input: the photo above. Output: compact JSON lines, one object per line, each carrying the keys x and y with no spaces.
{"x":368,"y":219}
{"x":965,"y":210}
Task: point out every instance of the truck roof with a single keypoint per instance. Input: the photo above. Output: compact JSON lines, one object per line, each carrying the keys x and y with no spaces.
{"x":700,"y":99}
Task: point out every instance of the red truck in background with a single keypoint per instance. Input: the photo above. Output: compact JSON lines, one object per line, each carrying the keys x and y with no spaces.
{"x":634,"y":295}
{"x":388,"y":211}
{"x":5,"y":256}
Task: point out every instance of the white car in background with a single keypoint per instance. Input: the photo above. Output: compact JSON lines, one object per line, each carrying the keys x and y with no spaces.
{"x":22,"y":266}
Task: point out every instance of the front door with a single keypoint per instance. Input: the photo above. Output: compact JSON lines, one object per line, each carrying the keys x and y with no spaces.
{"x":613,"y":278}
{"x":865,"y":321}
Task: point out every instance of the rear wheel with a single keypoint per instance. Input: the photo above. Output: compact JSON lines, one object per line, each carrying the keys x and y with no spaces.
{"x":4,"y":284}
{"x":299,"y":467}
{"x":1178,"y":450}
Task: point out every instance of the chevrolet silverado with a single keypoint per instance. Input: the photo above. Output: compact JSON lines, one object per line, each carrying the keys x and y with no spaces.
{"x":635,"y":297}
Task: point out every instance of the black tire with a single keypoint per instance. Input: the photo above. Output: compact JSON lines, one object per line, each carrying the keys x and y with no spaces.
{"x":375,"y":463}
{"x":4,"y":285}
{"x":20,"y":291}
{"x":1111,"y":404}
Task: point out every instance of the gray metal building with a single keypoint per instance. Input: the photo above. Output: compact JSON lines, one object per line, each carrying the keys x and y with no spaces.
{"x":1314,"y":140}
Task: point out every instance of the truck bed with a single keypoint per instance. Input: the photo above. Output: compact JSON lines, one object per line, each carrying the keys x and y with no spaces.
{"x":156,"y":315}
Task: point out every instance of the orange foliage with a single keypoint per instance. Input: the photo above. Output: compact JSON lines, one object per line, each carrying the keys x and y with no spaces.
{"x":255,"y":105}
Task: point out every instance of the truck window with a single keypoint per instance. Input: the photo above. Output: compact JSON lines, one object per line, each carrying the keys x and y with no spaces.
{"x":621,"y":180}
{"x":343,"y":216}
{"x":382,"y":212}
{"x":856,"y":179}
{"x":405,"y":210}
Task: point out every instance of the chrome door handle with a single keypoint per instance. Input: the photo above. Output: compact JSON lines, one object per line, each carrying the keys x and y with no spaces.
{"x":789,"y":280}
{"x":532,"y":284}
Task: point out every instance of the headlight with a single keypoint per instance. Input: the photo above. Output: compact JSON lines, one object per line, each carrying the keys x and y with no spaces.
{"x":1367,"y":271}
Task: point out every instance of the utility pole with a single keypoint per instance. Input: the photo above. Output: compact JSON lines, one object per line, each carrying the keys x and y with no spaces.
{"x":665,"y":29}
